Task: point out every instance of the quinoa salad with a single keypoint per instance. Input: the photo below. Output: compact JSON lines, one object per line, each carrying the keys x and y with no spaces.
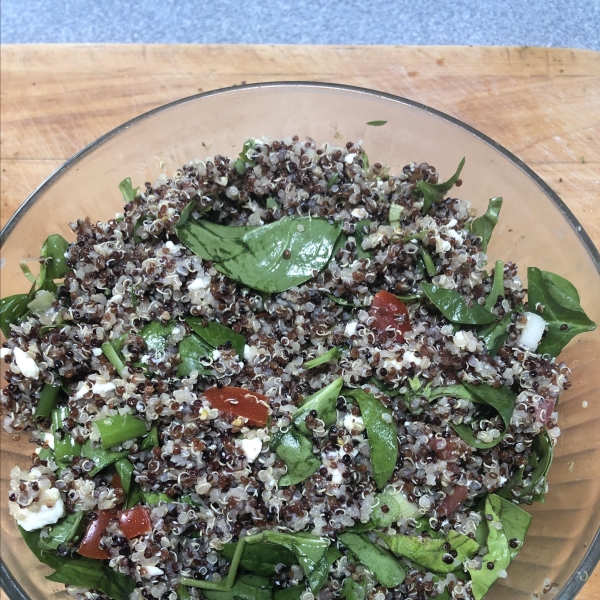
{"x":286,"y":375}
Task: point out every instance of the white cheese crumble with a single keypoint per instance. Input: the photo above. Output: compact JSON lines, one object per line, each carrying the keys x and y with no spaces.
{"x":532,"y":332}
{"x":149,"y":571}
{"x":50,"y":508}
{"x":359,"y":213}
{"x":26,"y":364}
{"x":350,"y":328}
{"x":202,"y":282}
{"x":49,"y":439}
{"x":4,"y":352}
{"x":103,"y":388}
{"x":251,"y":448}
{"x":97,"y":351}
{"x":354,"y":424}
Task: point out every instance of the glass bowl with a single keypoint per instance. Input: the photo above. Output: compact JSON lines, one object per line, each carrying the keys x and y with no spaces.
{"x":535,"y":228}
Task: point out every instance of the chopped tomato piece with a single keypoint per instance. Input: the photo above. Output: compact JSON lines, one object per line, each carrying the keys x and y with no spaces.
{"x":90,"y":545}
{"x":116,"y":481}
{"x":544,"y":410}
{"x":135,"y":521}
{"x":389,"y":312}
{"x":451,"y":502}
{"x":240,"y":402}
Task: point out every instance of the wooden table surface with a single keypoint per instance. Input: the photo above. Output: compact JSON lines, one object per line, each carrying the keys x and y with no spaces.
{"x":543,"y":104}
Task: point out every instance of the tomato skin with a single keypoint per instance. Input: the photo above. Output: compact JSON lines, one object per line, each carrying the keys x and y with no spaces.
{"x":135,"y":521}
{"x":251,"y":405}
{"x":451,"y":503}
{"x":90,"y":544}
{"x":386,"y":308}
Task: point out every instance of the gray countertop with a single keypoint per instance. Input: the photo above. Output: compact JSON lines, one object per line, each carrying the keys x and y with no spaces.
{"x":476,"y":22}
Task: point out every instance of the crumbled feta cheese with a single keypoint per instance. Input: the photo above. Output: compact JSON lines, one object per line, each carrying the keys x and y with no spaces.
{"x":4,"y":352}
{"x":103,"y":388}
{"x":82,"y":390}
{"x":216,"y":355}
{"x":202,"y":282}
{"x":354,"y":424}
{"x":350,"y":328}
{"x":251,"y":448}
{"x":149,"y":571}
{"x":49,"y":439}
{"x":532,"y":332}
{"x":336,"y":476}
{"x":442,"y":246}
{"x":50,"y":508}
{"x":97,"y":351}
{"x":26,"y":364}
{"x":359,"y":213}
{"x":350,"y":158}
{"x":465,"y":339}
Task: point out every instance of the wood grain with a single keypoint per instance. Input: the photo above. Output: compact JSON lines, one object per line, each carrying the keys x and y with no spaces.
{"x":543,"y":104}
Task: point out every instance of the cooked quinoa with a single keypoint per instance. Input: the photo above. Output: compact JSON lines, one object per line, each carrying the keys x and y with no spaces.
{"x":217,"y":473}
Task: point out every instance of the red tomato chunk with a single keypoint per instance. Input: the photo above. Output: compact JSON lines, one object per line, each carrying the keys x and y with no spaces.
{"x":135,"y":521}
{"x":389,"y":312}
{"x":240,"y":402}
{"x":90,"y":545}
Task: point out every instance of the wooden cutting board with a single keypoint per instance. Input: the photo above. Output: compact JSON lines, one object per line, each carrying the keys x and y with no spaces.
{"x":543,"y":104}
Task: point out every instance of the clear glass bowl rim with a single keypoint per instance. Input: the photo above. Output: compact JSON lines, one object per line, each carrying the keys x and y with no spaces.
{"x":592,"y":556}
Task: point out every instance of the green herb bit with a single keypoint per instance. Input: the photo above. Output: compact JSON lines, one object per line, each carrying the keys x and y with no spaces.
{"x":129,"y":193}
{"x":484,"y":226}
{"x":386,"y":569}
{"x":333,"y":180}
{"x":381,"y":433}
{"x":113,"y":356}
{"x":497,"y":290}
{"x":65,"y":447}
{"x":376,"y":123}
{"x":125,"y":470}
{"x":331,"y":354}
{"x":434,"y":192}
{"x":120,"y":428}
{"x":12,"y":310}
{"x":323,"y":402}
{"x":428,"y":262}
{"x":47,"y":402}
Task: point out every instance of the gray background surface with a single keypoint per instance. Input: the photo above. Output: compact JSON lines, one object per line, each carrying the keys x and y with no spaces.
{"x":564,"y":23}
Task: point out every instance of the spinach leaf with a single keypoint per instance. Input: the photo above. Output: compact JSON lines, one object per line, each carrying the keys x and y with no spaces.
{"x":192,"y":350}
{"x":248,"y":146}
{"x":156,"y":335}
{"x":381,"y":433}
{"x":310,"y":552}
{"x":67,"y":529}
{"x":91,"y":574}
{"x":386,"y":569}
{"x":291,"y":593}
{"x":540,"y":460}
{"x":261,"y":558}
{"x":352,"y":590}
{"x":216,"y":334}
{"x":484,"y":226}
{"x":397,"y":506}
{"x":254,"y":256}
{"x":454,"y":307}
{"x":434,"y":192}
{"x":324,"y":402}
{"x":376,"y":123}
{"x":498,"y":555}
{"x":331,"y":354}
{"x":100,"y":457}
{"x":296,"y":451}
{"x":497,"y":286}
{"x":127,"y":190}
{"x":494,"y":334}
{"x":246,"y":587}
{"x":135,"y":495}
{"x":502,"y":400}
{"x":429,"y":552}
{"x":562,"y":311}
{"x":515,"y":521}
{"x":125,"y":470}
{"x":55,"y":265}
{"x":82,"y":572}
{"x":359,"y":237}
{"x":12,"y":309}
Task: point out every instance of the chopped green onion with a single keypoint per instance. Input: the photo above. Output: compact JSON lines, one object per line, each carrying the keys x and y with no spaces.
{"x":118,"y":429}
